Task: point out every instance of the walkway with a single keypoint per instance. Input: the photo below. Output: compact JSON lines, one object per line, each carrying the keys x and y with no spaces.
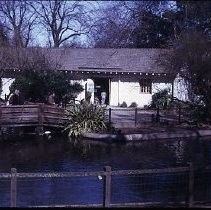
{"x":129,"y":129}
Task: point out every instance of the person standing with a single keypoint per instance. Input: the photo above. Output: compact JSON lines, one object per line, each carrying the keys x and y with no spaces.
{"x":16,"y":98}
{"x":96,"y":100}
{"x":51,"y":99}
{"x":103,"y":97}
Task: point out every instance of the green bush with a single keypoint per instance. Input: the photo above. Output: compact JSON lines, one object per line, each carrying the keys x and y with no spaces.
{"x":124,"y":104}
{"x":56,"y":81}
{"x":133,"y":104}
{"x":161,"y":99}
{"x":84,"y":118}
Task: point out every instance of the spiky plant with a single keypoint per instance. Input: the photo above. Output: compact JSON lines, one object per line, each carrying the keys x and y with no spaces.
{"x":85,"y":118}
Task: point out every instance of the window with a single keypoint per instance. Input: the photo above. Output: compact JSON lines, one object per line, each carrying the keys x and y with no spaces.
{"x":145,"y":86}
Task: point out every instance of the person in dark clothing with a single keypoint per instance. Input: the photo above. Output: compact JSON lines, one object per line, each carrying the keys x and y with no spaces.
{"x":16,"y":98}
{"x":2,"y":101}
{"x":51,"y":99}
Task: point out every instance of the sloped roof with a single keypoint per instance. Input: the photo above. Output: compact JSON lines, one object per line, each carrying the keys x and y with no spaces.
{"x":101,"y":59}
{"x":97,"y":59}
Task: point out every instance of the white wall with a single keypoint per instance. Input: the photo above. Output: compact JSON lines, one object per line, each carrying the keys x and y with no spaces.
{"x":114,"y":94}
{"x":82,"y":94}
{"x":130,"y":92}
{"x":6,"y":82}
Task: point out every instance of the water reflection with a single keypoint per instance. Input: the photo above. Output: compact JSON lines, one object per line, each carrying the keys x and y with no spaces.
{"x":33,"y":155}
{"x":59,"y":154}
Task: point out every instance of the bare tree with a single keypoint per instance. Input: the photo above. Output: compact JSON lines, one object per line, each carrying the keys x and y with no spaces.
{"x":4,"y":39}
{"x":63,"y":19}
{"x":112,"y":26}
{"x":19,"y":18}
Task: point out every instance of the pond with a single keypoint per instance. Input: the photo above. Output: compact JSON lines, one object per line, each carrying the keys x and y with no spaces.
{"x":59,"y":155}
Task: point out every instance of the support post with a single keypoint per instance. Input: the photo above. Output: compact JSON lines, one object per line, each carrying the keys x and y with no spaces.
{"x":107,"y":187}
{"x":136,"y":113}
{"x":172,"y":91}
{"x":109,"y":116}
{"x":39,"y":129}
{"x":13,"y":188}
{"x":191,"y":185}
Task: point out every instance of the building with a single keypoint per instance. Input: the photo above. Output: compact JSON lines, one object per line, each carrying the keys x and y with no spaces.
{"x":125,"y":74}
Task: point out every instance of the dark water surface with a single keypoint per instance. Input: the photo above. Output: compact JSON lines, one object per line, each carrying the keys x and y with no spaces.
{"x":57,"y":154}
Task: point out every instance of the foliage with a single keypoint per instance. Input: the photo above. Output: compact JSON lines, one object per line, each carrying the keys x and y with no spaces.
{"x":191,"y":58}
{"x":160,"y":99}
{"x":84,"y":118}
{"x":133,"y":104}
{"x":132,"y":24}
{"x":195,"y":14}
{"x":40,"y":75}
{"x":197,"y":113}
{"x":147,"y":24}
{"x":37,"y":86}
{"x":0,"y":86}
{"x":152,"y":32}
{"x":124,"y":104}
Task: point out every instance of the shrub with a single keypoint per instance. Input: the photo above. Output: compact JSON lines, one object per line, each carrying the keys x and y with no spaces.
{"x":124,"y":104}
{"x":133,"y":104}
{"x":161,"y":99}
{"x":84,"y":118}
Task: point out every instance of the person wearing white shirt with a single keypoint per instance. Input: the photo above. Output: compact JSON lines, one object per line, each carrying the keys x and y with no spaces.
{"x":103,"y":97}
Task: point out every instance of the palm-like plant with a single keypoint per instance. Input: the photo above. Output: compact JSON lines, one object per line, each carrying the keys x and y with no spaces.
{"x":84,"y":118}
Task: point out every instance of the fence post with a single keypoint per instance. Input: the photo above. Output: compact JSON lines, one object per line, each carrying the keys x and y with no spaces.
{"x":136,"y":112}
{"x":158,"y":115}
{"x":13,"y":189}
{"x":191,"y":185}
{"x":107,"y":187}
{"x":109,"y":116}
{"x":39,"y":129}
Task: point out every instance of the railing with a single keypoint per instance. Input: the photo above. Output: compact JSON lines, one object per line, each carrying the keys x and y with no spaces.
{"x":140,"y":116}
{"x":30,"y":115}
{"x":179,"y":186}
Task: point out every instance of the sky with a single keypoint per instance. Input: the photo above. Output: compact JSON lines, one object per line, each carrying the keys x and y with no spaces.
{"x":42,"y":36}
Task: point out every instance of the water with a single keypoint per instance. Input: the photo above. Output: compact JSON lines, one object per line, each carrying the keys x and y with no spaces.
{"x":55,"y":155}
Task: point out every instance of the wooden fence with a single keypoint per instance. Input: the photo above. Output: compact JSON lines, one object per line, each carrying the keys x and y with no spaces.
{"x":37,"y":115}
{"x":107,"y":175}
{"x":49,"y":115}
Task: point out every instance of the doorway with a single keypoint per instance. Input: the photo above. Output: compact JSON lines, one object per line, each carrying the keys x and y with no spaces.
{"x":100,"y":85}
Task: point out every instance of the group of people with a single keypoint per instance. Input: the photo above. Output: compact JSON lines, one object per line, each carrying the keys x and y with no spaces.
{"x":103,"y":98}
{"x":16,"y":98}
